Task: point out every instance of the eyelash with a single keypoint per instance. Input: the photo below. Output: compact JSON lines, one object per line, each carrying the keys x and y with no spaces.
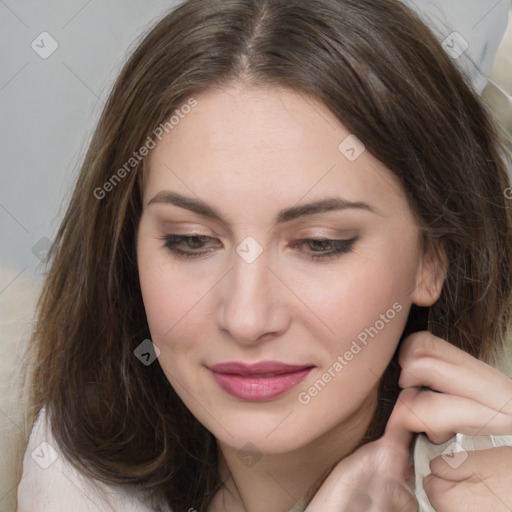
{"x":340,"y":246}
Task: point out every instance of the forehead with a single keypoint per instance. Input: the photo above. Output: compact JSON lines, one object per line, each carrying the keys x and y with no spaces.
{"x":267,"y":119}
{"x":266,"y":142}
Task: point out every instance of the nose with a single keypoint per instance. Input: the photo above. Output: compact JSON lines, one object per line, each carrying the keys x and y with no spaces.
{"x":252,"y":307}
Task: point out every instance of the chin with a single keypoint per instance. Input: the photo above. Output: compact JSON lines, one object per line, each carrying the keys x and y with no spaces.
{"x":258,"y":441}
{"x":279,"y":430}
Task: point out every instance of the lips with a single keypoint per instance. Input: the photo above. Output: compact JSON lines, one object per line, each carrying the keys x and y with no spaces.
{"x":260,"y":381}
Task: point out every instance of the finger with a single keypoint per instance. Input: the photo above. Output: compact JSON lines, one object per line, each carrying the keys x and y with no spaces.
{"x":441,"y":416}
{"x":430,"y":361}
{"x":472,"y":466}
{"x":450,"y":496}
{"x":397,"y":434}
{"x":426,"y":342}
{"x":455,"y":467}
{"x":441,"y":493}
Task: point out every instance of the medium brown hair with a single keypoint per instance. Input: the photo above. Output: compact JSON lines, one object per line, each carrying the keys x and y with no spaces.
{"x":387,"y":79}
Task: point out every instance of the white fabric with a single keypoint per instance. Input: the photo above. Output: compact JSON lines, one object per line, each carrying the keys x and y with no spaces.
{"x":480,"y":24}
{"x":50,"y":484}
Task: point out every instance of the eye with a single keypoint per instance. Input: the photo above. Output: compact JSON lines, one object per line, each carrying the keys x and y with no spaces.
{"x":190,"y":246}
{"x":324,"y":248}
{"x":195,"y":246}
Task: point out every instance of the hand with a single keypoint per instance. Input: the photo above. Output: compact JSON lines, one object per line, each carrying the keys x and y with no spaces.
{"x":372,"y":479}
{"x":482,"y":482}
{"x":465,"y":396}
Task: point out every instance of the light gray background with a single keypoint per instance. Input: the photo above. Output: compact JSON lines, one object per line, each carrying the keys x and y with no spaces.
{"x":49,"y":108}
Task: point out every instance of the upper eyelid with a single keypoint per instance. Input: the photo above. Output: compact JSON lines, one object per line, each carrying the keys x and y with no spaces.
{"x":171,"y":228}
{"x":216,"y":225}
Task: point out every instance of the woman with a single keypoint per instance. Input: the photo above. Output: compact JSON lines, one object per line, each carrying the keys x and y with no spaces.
{"x":277,"y":195}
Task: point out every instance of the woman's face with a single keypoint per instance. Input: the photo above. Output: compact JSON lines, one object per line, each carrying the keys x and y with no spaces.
{"x":279,"y":314}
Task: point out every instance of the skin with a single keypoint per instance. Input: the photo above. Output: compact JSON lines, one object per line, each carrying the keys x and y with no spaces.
{"x":472,"y":398}
{"x":250,"y":153}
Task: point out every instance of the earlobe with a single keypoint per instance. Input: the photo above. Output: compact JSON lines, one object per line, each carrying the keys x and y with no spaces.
{"x":430,"y":277}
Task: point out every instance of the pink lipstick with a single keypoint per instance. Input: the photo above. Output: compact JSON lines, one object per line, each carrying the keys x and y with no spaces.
{"x":260,"y":381}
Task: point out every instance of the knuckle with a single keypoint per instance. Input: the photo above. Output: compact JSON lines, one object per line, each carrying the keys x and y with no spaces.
{"x":421,"y":362}
{"x":407,"y":396}
{"x":416,"y":346}
{"x":438,"y":436}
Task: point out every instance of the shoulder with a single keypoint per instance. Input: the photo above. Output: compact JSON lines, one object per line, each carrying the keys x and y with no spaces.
{"x":50,"y":483}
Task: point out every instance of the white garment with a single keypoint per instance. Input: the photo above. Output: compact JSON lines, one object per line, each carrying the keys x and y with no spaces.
{"x":50,"y":484}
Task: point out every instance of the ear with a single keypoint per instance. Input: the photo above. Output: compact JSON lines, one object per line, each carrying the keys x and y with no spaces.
{"x":431,"y":274}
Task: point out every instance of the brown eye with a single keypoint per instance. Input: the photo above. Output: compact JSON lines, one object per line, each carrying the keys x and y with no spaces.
{"x":190,"y":246}
{"x":318,"y":248}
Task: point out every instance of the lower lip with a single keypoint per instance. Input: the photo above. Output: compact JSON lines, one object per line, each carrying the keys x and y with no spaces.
{"x":259,"y":389}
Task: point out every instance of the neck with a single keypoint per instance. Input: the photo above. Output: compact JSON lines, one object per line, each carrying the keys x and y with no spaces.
{"x":284,"y":482}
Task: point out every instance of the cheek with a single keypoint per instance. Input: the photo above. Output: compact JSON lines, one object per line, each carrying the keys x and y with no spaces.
{"x":176,"y":305}
{"x":368,"y":318}
{"x":170,"y":305}
{"x":354,"y":296}
{"x":365,"y":307}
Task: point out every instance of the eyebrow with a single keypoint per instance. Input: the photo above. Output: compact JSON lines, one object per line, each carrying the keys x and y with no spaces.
{"x":285,"y":215}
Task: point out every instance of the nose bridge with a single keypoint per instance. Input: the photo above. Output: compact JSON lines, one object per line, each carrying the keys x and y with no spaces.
{"x":249,"y":279}
{"x":250,"y":305}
